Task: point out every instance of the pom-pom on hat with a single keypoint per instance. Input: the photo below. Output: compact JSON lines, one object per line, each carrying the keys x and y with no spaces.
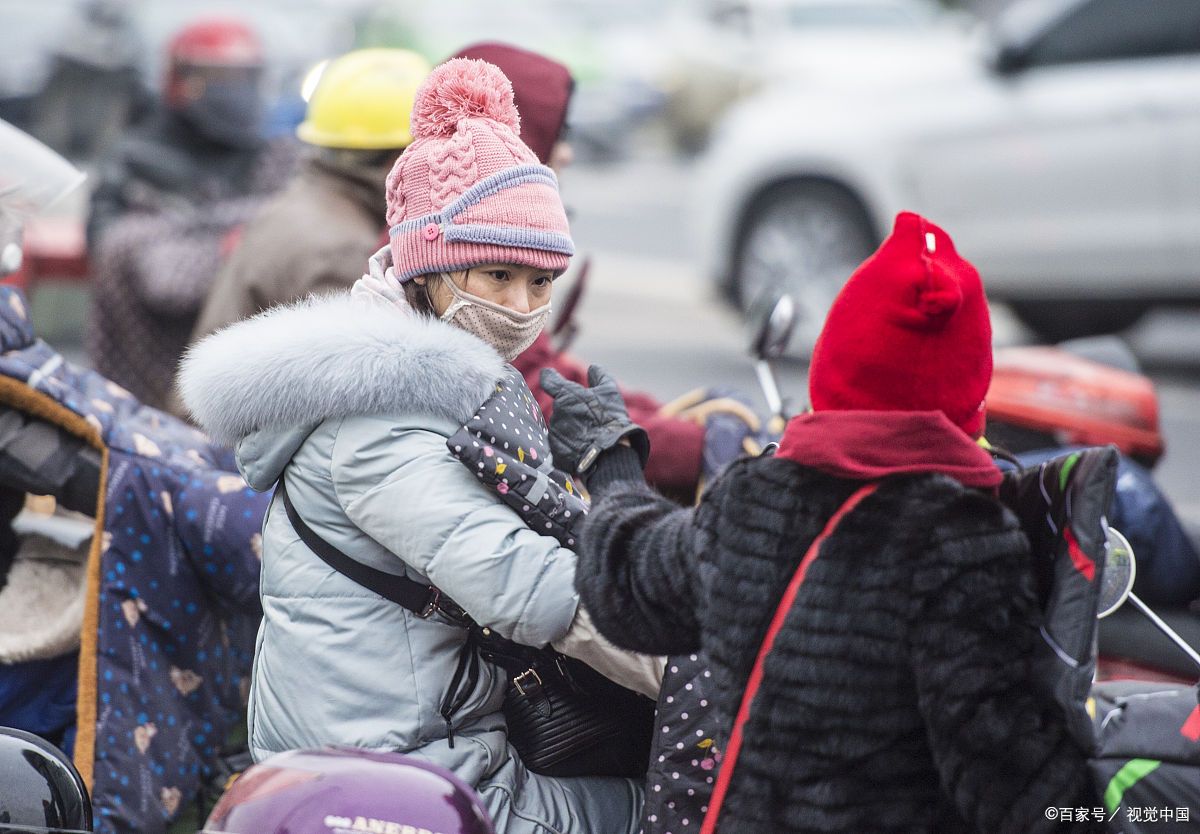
{"x":542,"y":88}
{"x":909,"y":331}
{"x":467,"y":190}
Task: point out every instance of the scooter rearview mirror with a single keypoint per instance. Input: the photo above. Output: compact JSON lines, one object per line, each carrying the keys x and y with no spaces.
{"x":775,"y":321}
{"x":775,"y":329}
{"x":1120,"y":569}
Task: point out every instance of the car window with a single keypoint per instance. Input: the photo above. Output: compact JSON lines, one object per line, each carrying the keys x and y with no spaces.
{"x":1106,"y":30}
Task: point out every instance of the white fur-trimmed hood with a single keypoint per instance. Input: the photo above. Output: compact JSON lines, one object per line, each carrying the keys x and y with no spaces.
{"x":333,"y":356}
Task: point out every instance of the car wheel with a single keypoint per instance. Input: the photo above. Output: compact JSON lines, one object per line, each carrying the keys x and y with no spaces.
{"x":803,"y":239}
{"x":1057,"y":320}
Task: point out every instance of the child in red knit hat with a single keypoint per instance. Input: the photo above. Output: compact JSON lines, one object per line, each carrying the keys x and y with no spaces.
{"x":866,"y":604}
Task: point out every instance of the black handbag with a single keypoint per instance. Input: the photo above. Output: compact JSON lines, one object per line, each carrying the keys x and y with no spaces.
{"x":564,"y":718}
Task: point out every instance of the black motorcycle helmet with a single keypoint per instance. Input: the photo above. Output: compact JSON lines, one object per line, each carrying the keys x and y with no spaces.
{"x":41,"y":792}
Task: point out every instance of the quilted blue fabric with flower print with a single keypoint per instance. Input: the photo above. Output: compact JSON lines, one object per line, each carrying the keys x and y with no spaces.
{"x":176,"y":601}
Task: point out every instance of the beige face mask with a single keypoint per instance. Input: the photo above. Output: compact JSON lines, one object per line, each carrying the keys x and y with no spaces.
{"x":508,"y":331}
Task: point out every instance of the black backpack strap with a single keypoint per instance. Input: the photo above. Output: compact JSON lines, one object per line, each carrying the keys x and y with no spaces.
{"x":422,"y":600}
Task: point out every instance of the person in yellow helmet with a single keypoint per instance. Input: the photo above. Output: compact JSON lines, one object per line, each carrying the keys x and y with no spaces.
{"x":315,"y":235}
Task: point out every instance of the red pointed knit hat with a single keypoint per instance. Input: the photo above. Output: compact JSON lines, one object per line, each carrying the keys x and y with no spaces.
{"x":909,"y":331}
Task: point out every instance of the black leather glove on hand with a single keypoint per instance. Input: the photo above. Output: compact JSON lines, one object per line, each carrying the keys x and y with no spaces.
{"x":588,"y":421}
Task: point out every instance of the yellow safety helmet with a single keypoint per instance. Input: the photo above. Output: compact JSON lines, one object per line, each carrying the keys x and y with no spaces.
{"x":364,"y":100}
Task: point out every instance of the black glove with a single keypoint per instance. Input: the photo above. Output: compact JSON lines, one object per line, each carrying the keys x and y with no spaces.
{"x":588,"y":421}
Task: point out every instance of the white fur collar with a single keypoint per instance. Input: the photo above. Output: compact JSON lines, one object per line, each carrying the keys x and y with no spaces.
{"x":333,"y":356}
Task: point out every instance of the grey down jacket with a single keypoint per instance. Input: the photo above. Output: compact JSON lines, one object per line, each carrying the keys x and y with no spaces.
{"x":353,"y":400}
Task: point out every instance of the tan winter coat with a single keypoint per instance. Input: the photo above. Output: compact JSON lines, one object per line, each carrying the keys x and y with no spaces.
{"x":314,"y":236}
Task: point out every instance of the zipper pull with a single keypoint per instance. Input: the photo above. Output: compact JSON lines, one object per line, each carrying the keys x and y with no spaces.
{"x":450,"y":732}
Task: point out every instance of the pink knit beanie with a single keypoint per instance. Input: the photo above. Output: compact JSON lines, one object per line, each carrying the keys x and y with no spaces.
{"x":467,"y":190}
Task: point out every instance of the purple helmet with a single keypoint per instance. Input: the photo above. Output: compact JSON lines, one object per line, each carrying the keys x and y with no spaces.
{"x":341,"y":790}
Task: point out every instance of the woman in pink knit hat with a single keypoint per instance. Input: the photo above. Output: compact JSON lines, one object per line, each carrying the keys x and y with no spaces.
{"x":402,"y":442}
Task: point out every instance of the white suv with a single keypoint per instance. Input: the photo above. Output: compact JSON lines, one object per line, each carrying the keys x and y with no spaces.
{"x":1064,"y":161}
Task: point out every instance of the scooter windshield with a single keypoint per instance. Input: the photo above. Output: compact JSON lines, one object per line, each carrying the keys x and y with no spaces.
{"x":32,"y":176}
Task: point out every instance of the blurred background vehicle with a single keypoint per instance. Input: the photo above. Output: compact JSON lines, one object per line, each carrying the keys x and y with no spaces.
{"x":717,"y":52}
{"x":1065,"y":155}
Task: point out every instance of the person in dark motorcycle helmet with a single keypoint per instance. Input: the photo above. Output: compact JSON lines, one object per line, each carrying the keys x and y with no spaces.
{"x":204,"y":138}
{"x":40,"y":790}
{"x":213,"y":81}
{"x":170,"y":201}
{"x":344,"y":790}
